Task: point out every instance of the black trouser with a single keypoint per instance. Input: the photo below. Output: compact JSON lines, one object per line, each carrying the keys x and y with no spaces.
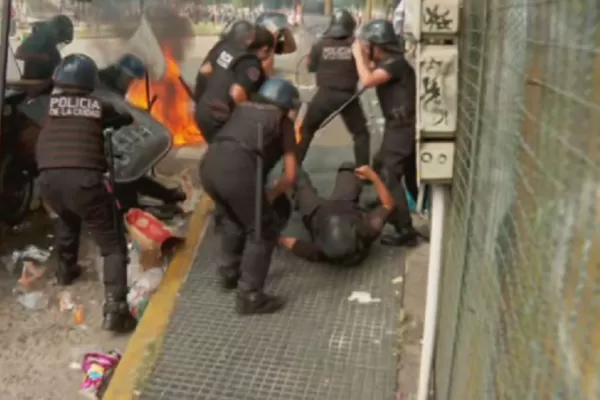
{"x":410,"y":173}
{"x":395,"y":159}
{"x":79,"y":196}
{"x":146,"y":186}
{"x":322,"y":105}
{"x":228,"y":175}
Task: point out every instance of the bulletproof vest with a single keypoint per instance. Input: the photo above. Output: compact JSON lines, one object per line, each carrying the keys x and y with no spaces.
{"x":221,"y":79}
{"x":397,"y":97}
{"x":215,"y":105}
{"x":244,"y":126}
{"x":71,"y":136}
{"x":336,"y":68}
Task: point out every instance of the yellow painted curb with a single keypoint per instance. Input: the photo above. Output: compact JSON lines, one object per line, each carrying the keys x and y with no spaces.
{"x":141,"y":353}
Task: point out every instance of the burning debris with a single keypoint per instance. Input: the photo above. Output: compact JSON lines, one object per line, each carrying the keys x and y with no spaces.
{"x":171,"y":103}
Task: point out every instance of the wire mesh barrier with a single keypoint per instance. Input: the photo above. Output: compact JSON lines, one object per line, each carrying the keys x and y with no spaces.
{"x":520,"y":296}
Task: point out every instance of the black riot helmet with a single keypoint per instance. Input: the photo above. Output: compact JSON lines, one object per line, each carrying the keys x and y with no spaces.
{"x":281,"y":93}
{"x":63,"y":28}
{"x":278,"y":24}
{"x":238,"y":30}
{"x":273,"y":21}
{"x":342,"y":25}
{"x":76,"y":71}
{"x":338,"y":236}
{"x":380,"y":32}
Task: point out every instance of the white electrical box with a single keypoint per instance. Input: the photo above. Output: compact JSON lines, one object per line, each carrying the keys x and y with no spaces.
{"x":432,"y":17}
{"x":435,"y":161}
{"x":437,"y":76}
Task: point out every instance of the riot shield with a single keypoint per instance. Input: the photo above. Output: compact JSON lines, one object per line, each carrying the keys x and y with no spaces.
{"x":139,"y":146}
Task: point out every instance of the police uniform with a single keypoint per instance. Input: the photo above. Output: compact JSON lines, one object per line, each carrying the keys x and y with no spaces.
{"x":238,"y":32}
{"x":331,"y":59}
{"x":70,"y":157}
{"x":39,"y":50}
{"x":341,"y":231}
{"x":397,"y":99}
{"x":117,"y":77}
{"x":233,"y":65}
{"x":228,"y":173}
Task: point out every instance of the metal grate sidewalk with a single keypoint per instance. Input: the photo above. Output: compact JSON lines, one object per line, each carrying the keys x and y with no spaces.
{"x":321,"y":346}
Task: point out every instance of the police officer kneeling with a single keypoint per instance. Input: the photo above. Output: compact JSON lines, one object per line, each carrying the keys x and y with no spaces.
{"x":240,"y":33}
{"x":237,"y":75}
{"x":395,"y":84}
{"x":70,"y":157}
{"x":228,"y":173}
{"x":331,"y":60}
{"x":341,"y":231}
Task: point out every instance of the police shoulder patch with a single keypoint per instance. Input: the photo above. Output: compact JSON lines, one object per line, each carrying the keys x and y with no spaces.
{"x":253,"y":73}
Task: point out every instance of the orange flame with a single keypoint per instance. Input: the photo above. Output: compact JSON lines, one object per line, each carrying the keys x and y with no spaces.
{"x":173,"y":105}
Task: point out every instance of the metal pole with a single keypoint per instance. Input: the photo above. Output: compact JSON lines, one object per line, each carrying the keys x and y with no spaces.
{"x":4,"y":43}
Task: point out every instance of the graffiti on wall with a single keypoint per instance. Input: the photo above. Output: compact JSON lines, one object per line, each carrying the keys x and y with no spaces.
{"x":437,"y":18}
{"x":438,"y":89}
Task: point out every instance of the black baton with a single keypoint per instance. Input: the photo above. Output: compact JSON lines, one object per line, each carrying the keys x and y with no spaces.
{"x":118,"y":218}
{"x":339,"y":110}
{"x":259,"y":193}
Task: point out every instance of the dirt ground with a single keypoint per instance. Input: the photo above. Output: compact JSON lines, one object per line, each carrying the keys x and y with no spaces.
{"x":42,"y":348}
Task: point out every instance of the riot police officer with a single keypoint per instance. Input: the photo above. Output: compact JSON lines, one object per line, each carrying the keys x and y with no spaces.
{"x":240,"y":32}
{"x":118,"y":76}
{"x":39,"y":51}
{"x":70,"y":157}
{"x":331,"y":59}
{"x":229,"y":176}
{"x":279,"y":26}
{"x":341,"y":231}
{"x":236,"y":76}
{"x":395,"y":84}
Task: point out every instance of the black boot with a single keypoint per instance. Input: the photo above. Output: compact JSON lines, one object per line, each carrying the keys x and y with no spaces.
{"x":248,"y":303}
{"x":117,"y":317}
{"x":66,"y":274}
{"x":229,"y":276}
{"x":407,"y":237}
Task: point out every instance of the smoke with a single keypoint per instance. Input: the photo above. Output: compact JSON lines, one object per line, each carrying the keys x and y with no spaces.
{"x":121,"y":19}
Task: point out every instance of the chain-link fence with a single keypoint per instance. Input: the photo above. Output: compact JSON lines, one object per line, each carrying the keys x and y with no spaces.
{"x":520,"y":301}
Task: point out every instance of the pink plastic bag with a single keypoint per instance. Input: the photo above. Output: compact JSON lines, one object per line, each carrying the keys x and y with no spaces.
{"x":96,"y":366}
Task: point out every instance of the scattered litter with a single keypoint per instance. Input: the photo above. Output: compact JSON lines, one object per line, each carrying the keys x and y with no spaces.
{"x":75,"y":366}
{"x":33,"y":253}
{"x":139,"y":294}
{"x":398,"y":279}
{"x":65,"y":301}
{"x":78,"y":316}
{"x":30,"y":273}
{"x":96,"y":367}
{"x":10,"y":261}
{"x":33,"y":300}
{"x":363,"y":298}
